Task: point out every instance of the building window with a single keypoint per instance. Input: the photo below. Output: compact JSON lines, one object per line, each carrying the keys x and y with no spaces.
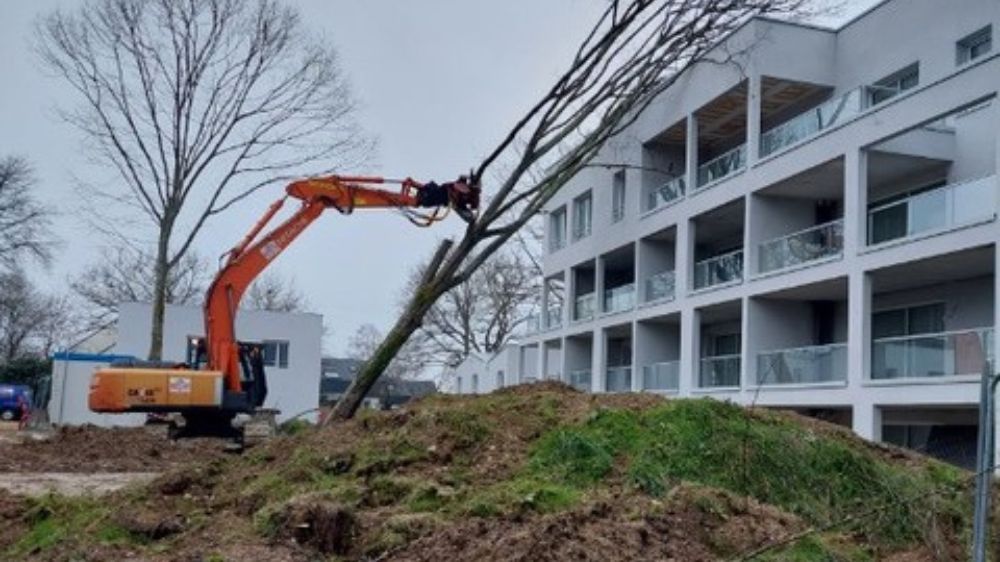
{"x":893,"y":84}
{"x":974,"y":46}
{"x":475,"y":384}
{"x":557,"y":229}
{"x":500,"y":381}
{"x":276,"y":354}
{"x":618,"y":196}
{"x":582,"y":211}
{"x":910,"y":321}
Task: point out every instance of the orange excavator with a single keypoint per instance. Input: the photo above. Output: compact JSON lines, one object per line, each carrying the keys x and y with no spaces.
{"x":222,"y":377}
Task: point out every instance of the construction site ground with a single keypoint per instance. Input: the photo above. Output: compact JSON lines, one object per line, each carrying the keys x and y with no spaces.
{"x":537,"y":472}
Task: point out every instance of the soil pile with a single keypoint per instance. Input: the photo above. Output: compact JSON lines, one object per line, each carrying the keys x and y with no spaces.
{"x":537,"y":472}
{"x":95,"y":449}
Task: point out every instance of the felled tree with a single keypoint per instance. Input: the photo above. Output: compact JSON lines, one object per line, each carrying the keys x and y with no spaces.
{"x":634,"y":51}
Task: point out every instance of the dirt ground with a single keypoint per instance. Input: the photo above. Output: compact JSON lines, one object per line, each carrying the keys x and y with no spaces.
{"x":91,"y":449}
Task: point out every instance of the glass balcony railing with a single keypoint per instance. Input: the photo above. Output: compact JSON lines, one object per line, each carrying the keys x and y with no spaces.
{"x":945,"y":207}
{"x":722,"y":166}
{"x":620,"y":298}
{"x":553,"y":317}
{"x":718,"y":270}
{"x":804,"y":125}
{"x":660,"y":286}
{"x":664,"y":376}
{"x":580,"y":380}
{"x":618,"y":379}
{"x":668,"y":191}
{"x":803,"y":365}
{"x":932,"y":355}
{"x":583,"y":308}
{"x":719,"y":371}
{"x":811,"y":244}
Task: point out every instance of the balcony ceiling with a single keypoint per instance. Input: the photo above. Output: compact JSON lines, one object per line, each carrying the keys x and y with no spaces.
{"x":976,"y":262}
{"x":722,"y":312}
{"x":720,"y":224}
{"x":829,"y":290}
{"x":890,"y":168}
{"x":825,"y":181}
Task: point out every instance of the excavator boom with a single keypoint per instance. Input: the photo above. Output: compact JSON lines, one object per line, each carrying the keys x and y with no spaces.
{"x":223,"y":376}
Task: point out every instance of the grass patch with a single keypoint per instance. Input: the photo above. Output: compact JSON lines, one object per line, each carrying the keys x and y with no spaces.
{"x":58,"y":520}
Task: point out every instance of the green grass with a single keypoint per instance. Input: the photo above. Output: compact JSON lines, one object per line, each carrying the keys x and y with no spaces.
{"x":777,"y":461}
{"x":55,"y":520}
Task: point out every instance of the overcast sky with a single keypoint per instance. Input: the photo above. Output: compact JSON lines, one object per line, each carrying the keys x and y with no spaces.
{"x":439,"y":82}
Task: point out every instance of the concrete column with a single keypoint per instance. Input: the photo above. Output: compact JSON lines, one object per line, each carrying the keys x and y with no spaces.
{"x":570,"y":297}
{"x":598,"y":286}
{"x":753,"y":117}
{"x":540,"y":361}
{"x":867,"y":420}
{"x":691,"y":144}
{"x":855,"y":201}
{"x":996,"y":306}
{"x":636,"y":367}
{"x":859,"y":321}
{"x":563,"y":362}
{"x":598,"y":360}
{"x":747,"y":364}
{"x":684,"y":258}
{"x":690,"y":350}
{"x":750,"y":235}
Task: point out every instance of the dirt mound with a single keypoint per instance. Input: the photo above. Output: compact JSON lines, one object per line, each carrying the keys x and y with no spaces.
{"x":94,"y":449}
{"x":536,"y":472}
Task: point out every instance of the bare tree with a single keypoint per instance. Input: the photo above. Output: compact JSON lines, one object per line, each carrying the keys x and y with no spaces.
{"x":196,"y":106}
{"x":31,"y":323}
{"x":127,"y":274}
{"x":482,"y":313}
{"x":407,"y":364}
{"x":272,"y":292}
{"x":24,"y":223}
{"x":635,"y":50}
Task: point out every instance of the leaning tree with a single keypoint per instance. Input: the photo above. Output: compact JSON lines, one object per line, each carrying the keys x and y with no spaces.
{"x":635,"y":50}
{"x":194,"y":106}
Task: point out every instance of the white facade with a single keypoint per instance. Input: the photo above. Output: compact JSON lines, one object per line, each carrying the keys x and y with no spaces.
{"x":813,"y":227}
{"x":292,"y":377}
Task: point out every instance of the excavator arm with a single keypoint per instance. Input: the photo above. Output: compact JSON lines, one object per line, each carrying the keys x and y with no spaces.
{"x":345,"y":194}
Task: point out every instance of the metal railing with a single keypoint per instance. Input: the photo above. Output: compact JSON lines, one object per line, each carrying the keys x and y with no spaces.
{"x":814,"y":243}
{"x":618,"y":379}
{"x":942,"y":354}
{"x":664,"y":376}
{"x":810,"y":122}
{"x":553,"y":317}
{"x":668,"y":191}
{"x":620,"y":298}
{"x":583,"y":307}
{"x":803,"y":365}
{"x":580,"y":380}
{"x":722,"y":166}
{"x":945,"y":207}
{"x":719,"y":371}
{"x":660,"y":286}
{"x":531,"y":324}
{"x":724,"y":268}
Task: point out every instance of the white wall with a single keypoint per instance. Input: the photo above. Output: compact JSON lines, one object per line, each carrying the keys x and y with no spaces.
{"x":292,"y":390}
{"x":71,"y":388}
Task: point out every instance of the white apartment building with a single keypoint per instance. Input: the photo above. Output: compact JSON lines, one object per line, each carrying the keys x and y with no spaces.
{"x":812,"y":227}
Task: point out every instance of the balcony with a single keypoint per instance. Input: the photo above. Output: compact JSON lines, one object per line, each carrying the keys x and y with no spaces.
{"x":722,"y":166}
{"x":932,"y":355}
{"x":815,"y":364}
{"x":553,"y":317}
{"x":620,"y":298}
{"x":814,"y":243}
{"x":939,"y":209}
{"x":720,"y":371}
{"x":531,"y":325}
{"x":583,"y":307}
{"x":809,"y":123}
{"x":580,"y":380}
{"x":719,"y":270}
{"x":618,"y":379}
{"x":660,"y":287}
{"x":669,"y":191}
{"x":664,"y":376}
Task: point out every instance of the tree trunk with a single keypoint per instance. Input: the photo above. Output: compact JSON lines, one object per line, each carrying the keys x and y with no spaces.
{"x":159,"y":296}
{"x":423,"y":298}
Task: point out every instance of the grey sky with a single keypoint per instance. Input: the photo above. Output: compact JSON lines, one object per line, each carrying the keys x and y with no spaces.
{"x":440,"y":81}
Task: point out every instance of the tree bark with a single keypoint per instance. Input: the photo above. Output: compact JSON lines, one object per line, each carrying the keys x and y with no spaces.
{"x":421,"y":301}
{"x":159,"y":296}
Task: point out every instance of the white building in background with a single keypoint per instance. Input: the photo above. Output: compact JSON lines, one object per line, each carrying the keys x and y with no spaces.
{"x":813,"y":228}
{"x":292,"y":355}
